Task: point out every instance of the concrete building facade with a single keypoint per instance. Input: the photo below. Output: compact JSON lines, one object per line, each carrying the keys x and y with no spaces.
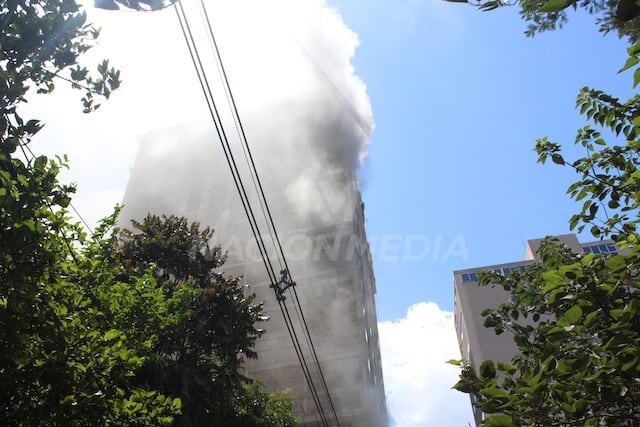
{"x":325,"y":243}
{"x":478,"y":343}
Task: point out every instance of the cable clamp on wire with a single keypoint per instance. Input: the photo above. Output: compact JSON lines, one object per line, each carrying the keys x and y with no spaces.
{"x":284,"y":284}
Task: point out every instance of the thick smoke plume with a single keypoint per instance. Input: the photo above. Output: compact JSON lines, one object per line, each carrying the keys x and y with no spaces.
{"x":306,"y":114}
{"x":307,"y":118}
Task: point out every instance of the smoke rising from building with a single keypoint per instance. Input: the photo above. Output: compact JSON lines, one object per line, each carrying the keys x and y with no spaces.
{"x":307,"y":118}
{"x":306,"y":114}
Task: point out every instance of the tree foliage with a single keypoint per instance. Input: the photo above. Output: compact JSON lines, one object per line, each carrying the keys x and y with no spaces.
{"x":40,"y":43}
{"x":609,"y":184}
{"x":198,"y":358}
{"x":574,"y":317}
{"x":257,"y":407}
{"x":82,"y":326}
{"x":60,"y":363}
{"x":619,"y":16}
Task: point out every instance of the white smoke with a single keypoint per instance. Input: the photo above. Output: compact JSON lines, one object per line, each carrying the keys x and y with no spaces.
{"x":289,"y":58}
{"x":289,"y":64}
{"x":307,"y":118}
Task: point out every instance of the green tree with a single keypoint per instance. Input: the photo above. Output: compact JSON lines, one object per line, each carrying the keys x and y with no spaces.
{"x":619,"y":16}
{"x":60,"y":363}
{"x":256,"y":407}
{"x":574,"y":317}
{"x":199,"y":358}
{"x":78,"y":331}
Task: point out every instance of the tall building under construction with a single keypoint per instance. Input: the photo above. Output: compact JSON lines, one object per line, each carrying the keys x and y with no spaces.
{"x":320,"y":223}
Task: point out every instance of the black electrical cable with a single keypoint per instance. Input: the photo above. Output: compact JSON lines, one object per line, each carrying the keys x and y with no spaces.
{"x":204,"y":84}
{"x":302,"y":361}
{"x":297,"y":306}
{"x":315,"y":355}
{"x":244,"y":140}
{"x":246,"y":203}
{"x":235,"y":173}
{"x":243,"y":135}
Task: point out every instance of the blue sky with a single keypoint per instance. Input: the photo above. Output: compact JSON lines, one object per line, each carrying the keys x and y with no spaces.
{"x":459,"y":98}
{"x":451,"y":179}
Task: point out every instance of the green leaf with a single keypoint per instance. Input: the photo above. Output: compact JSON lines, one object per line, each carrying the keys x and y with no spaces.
{"x":554,"y":5}
{"x":631,"y":61}
{"x":573,"y":314}
{"x":494,"y":392}
{"x":551,"y":285}
{"x":636,"y":77}
{"x":634,"y":50}
{"x":69,"y":399}
{"x":487,"y":369}
{"x":111,"y":334}
{"x":507,"y":368}
{"x":556,"y":330}
{"x":568,"y":407}
{"x":589,"y":318}
{"x":630,"y":364}
{"x":176,"y":403}
{"x":616,"y":313}
{"x":490,"y":5}
{"x":557,"y":159}
{"x":498,"y":420}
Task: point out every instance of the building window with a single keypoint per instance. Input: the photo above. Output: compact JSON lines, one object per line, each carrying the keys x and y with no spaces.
{"x":469,"y":277}
{"x":604,"y":249}
{"x":473,"y":277}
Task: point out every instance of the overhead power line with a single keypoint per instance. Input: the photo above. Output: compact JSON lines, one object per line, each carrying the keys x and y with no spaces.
{"x":265,"y":206}
{"x":285,"y":282}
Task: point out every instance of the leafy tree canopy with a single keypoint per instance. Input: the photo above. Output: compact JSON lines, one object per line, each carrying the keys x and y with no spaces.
{"x":140,"y":5}
{"x":81,"y":325}
{"x":619,"y":16}
{"x":199,"y":358}
{"x":60,"y":362}
{"x":574,"y":317}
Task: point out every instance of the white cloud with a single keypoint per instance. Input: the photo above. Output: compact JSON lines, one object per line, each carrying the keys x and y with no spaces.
{"x":417,"y":379}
